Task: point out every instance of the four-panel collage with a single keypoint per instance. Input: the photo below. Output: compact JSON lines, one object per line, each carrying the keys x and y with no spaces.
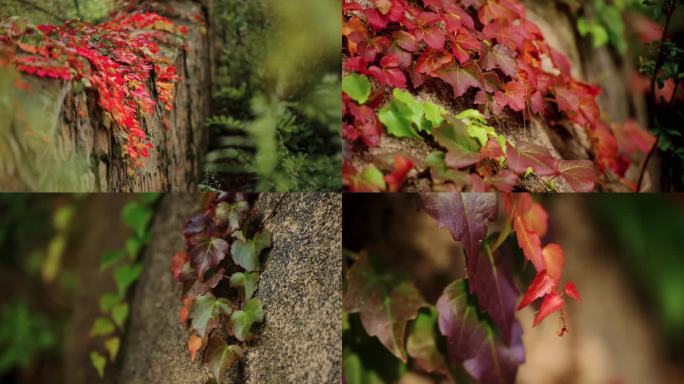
{"x":341,"y":191}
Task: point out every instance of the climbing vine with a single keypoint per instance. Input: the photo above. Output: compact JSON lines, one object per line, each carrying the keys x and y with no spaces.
{"x":488,"y":53}
{"x":471,"y":330}
{"x":217,"y":295}
{"x":117,"y":59}
{"x":126,"y":269}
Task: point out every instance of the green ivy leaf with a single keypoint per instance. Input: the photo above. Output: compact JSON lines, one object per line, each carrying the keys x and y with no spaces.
{"x":125,"y":275}
{"x":221,"y":356}
{"x":63,"y":217}
{"x":206,"y":312}
{"x":133,"y":247}
{"x":108,"y":301}
{"x":120,"y":314}
{"x":246,"y":282}
{"x":98,"y":362}
{"x":357,"y":87}
{"x":422,"y":344}
{"x":102,"y":327}
{"x":401,"y":114}
{"x":233,"y":214}
{"x":109,"y":258}
{"x":112,"y":345}
{"x":242,"y":321}
{"x":246,"y":252}
{"x":137,"y":216}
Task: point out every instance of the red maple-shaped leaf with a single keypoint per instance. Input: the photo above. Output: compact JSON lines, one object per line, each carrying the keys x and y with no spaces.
{"x":455,"y":18}
{"x":530,"y":243}
{"x":579,"y":174}
{"x":526,"y":155}
{"x":503,"y":181}
{"x":571,"y":290}
{"x":632,"y":137}
{"x":501,"y":57}
{"x":536,"y":219}
{"x":405,"y":40}
{"x":542,"y":285}
{"x":389,"y":73}
{"x":402,"y":166}
{"x":554,"y":261}
{"x":461,"y":78}
{"x":551,"y":303}
{"x":428,"y":30}
{"x":463,"y":44}
{"x":513,"y":95}
{"x":366,"y":125}
{"x":431,"y":60}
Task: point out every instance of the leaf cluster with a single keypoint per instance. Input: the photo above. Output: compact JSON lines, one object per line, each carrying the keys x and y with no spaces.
{"x":219,"y":270}
{"x":471,"y":331}
{"x":486,"y":49}
{"x":117,"y":59}
{"x":125,"y":269}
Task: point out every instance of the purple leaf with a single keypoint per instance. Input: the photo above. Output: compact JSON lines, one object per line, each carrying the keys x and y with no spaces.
{"x":206,"y":252}
{"x":465,"y":215}
{"x":471,"y":341}
{"x":384,"y":303}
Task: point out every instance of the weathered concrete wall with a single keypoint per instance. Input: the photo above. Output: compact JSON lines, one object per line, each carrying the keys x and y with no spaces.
{"x":77,"y":133}
{"x":300,"y":339}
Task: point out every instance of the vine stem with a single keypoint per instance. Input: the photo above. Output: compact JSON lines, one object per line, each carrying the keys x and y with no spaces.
{"x":263,"y":222}
{"x":668,"y":8}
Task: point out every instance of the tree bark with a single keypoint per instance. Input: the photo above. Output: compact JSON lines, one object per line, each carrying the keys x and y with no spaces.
{"x":76,"y":128}
{"x":300,"y":287}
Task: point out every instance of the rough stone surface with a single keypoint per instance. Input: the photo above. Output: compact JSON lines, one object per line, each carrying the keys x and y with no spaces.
{"x":301,"y":288}
{"x":77,"y":130}
{"x":300,"y":339}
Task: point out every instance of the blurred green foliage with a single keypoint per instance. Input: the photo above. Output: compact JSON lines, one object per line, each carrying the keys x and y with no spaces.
{"x":277,"y":84}
{"x":23,"y":334}
{"x":648,"y":230}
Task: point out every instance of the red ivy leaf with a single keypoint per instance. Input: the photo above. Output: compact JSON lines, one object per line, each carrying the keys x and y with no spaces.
{"x":513,"y":95}
{"x":463,"y":44}
{"x":502,"y":57}
{"x":571,"y":290}
{"x":461,"y":78}
{"x":402,"y":166}
{"x":579,"y":174}
{"x":530,"y":244}
{"x":526,"y":155}
{"x":541,"y":285}
{"x":431,"y":60}
{"x":428,"y":31}
{"x":503,"y":181}
{"x":554,"y":261}
{"x":551,"y":303}
{"x":389,"y":74}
